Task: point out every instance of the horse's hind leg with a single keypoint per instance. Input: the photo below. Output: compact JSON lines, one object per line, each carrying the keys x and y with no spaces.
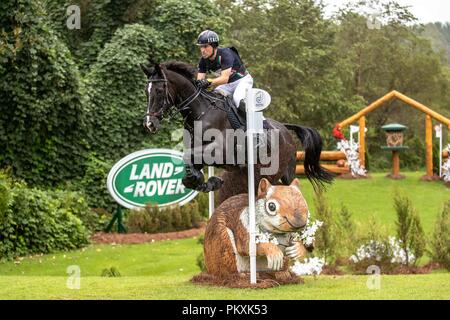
{"x":234,"y":183}
{"x":289,"y":173}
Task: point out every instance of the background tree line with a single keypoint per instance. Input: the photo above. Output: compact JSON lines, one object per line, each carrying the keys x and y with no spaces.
{"x":72,"y":101}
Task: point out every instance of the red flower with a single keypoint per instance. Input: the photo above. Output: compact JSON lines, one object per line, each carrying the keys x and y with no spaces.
{"x":337,"y":133}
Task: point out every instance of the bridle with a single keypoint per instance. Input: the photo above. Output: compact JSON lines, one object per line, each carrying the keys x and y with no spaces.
{"x":168,"y":99}
{"x":168,"y":103}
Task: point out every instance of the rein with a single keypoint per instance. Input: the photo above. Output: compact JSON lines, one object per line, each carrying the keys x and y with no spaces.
{"x":168,"y":99}
{"x":183,"y":106}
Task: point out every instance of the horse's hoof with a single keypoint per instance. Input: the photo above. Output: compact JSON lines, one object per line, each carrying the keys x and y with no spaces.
{"x":215,"y":183}
{"x":189,"y":182}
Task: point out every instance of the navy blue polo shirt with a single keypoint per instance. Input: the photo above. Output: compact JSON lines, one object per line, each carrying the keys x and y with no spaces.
{"x":225,"y":58}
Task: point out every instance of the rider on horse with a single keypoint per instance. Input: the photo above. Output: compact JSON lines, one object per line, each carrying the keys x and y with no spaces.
{"x":232,"y":76}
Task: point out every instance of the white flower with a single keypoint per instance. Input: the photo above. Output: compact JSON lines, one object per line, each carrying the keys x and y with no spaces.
{"x":266,"y":237}
{"x":351,"y":152}
{"x":378,"y":250}
{"x":309,"y":267}
{"x":308,"y":234}
{"x":446,"y":167}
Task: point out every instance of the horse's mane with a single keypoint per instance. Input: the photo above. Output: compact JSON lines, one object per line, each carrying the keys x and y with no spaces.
{"x":182,"y":68}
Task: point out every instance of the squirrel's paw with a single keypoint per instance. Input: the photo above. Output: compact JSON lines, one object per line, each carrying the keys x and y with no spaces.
{"x":275,"y":261}
{"x":296,"y":251}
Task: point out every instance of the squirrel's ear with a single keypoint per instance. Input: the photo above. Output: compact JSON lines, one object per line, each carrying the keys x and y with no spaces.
{"x":295,"y":183}
{"x":264,"y":185}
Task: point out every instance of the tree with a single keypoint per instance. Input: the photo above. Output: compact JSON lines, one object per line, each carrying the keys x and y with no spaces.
{"x":116,"y":90}
{"x":100,"y":19}
{"x":42,"y":120}
{"x":440,"y":242}
{"x":181,"y":22}
{"x":287,"y":46}
{"x":409,"y":229}
{"x":374,"y":60}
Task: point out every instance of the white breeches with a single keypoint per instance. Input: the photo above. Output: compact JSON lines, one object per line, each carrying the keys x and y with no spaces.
{"x":237,"y":88}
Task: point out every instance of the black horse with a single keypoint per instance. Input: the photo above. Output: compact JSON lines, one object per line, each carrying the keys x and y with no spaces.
{"x":171,"y":89}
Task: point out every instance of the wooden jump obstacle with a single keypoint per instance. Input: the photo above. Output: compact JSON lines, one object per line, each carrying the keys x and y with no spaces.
{"x":325,"y":156}
{"x":360,"y":117}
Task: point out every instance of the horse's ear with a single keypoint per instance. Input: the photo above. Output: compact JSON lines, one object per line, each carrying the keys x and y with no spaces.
{"x":158,"y":69}
{"x":146,"y":69}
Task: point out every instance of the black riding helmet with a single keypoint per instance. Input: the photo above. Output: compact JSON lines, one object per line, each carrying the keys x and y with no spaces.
{"x":208,"y":37}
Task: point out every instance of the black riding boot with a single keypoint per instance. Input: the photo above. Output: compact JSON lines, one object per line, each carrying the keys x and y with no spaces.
{"x":241,"y":108}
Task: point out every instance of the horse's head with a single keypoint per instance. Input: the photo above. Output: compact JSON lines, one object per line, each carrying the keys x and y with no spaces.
{"x":159,"y":98}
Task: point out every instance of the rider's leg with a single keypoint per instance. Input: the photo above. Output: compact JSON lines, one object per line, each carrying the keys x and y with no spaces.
{"x":226,"y":89}
{"x":241,"y":90}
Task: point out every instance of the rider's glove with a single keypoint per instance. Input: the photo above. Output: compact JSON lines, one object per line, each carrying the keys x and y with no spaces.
{"x":202,"y":83}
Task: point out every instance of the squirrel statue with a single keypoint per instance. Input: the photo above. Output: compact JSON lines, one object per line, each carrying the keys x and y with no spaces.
{"x":281,"y":212}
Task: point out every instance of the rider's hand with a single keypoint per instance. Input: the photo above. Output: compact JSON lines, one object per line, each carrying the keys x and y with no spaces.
{"x":202,"y":83}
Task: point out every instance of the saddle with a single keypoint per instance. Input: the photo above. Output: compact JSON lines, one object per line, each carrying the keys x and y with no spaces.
{"x":236,"y":117}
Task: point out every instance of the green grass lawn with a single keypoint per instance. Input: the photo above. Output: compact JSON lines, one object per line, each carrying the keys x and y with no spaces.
{"x":162,"y":270}
{"x":374,"y":197}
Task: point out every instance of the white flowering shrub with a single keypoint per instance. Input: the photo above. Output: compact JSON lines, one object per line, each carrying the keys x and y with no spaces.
{"x":446,"y":167}
{"x":266,"y":237}
{"x":383,"y":253}
{"x":307,"y":236}
{"x":351,"y":152}
{"x":311,"y":266}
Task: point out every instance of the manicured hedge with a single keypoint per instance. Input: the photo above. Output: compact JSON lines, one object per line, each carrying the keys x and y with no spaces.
{"x":36,"y":221}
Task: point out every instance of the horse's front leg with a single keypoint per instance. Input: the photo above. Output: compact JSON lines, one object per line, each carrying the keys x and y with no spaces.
{"x":194,"y":178}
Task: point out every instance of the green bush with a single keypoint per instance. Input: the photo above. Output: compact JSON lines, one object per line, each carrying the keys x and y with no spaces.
{"x":112,"y":272}
{"x":175,"y":218}
{"x":345,"y":234}
{"x":5,"y":193}
{"x":42,"y":116}
{"x":372,"y":247}
{"x":327,"y":233}
{"x":414,"y":157}
{"x":93,"y":185}
{"x":38,"y":221}
{"x":201,"y":256}
{"x":440,"y":242}
{"x":76,"y":204}
{"x":116,"y":90}
{"x":436,"y":156}
{"x":409,"y":228}
{"x":202,"y":201}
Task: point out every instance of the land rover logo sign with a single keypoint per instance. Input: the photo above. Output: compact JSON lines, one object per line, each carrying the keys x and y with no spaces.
{"x":152,"y":175}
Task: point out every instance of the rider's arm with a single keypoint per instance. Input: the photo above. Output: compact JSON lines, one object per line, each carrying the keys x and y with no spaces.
{"x":224,"y":76}
{"x":227,"y":60}
{"x":201,"y":76}
{"x":201,"y":70}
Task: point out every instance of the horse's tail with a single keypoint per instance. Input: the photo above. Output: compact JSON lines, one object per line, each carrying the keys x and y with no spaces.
{"x":312,"y":143}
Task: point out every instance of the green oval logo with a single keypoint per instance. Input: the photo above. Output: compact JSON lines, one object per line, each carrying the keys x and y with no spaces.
{"x":151,"y":175}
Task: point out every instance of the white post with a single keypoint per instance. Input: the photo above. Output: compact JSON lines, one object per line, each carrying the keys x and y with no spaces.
{"x":256,"y":101}
{"x":353,"y":130}
{"x":251,"y":185}
{"x":211,"y":193}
